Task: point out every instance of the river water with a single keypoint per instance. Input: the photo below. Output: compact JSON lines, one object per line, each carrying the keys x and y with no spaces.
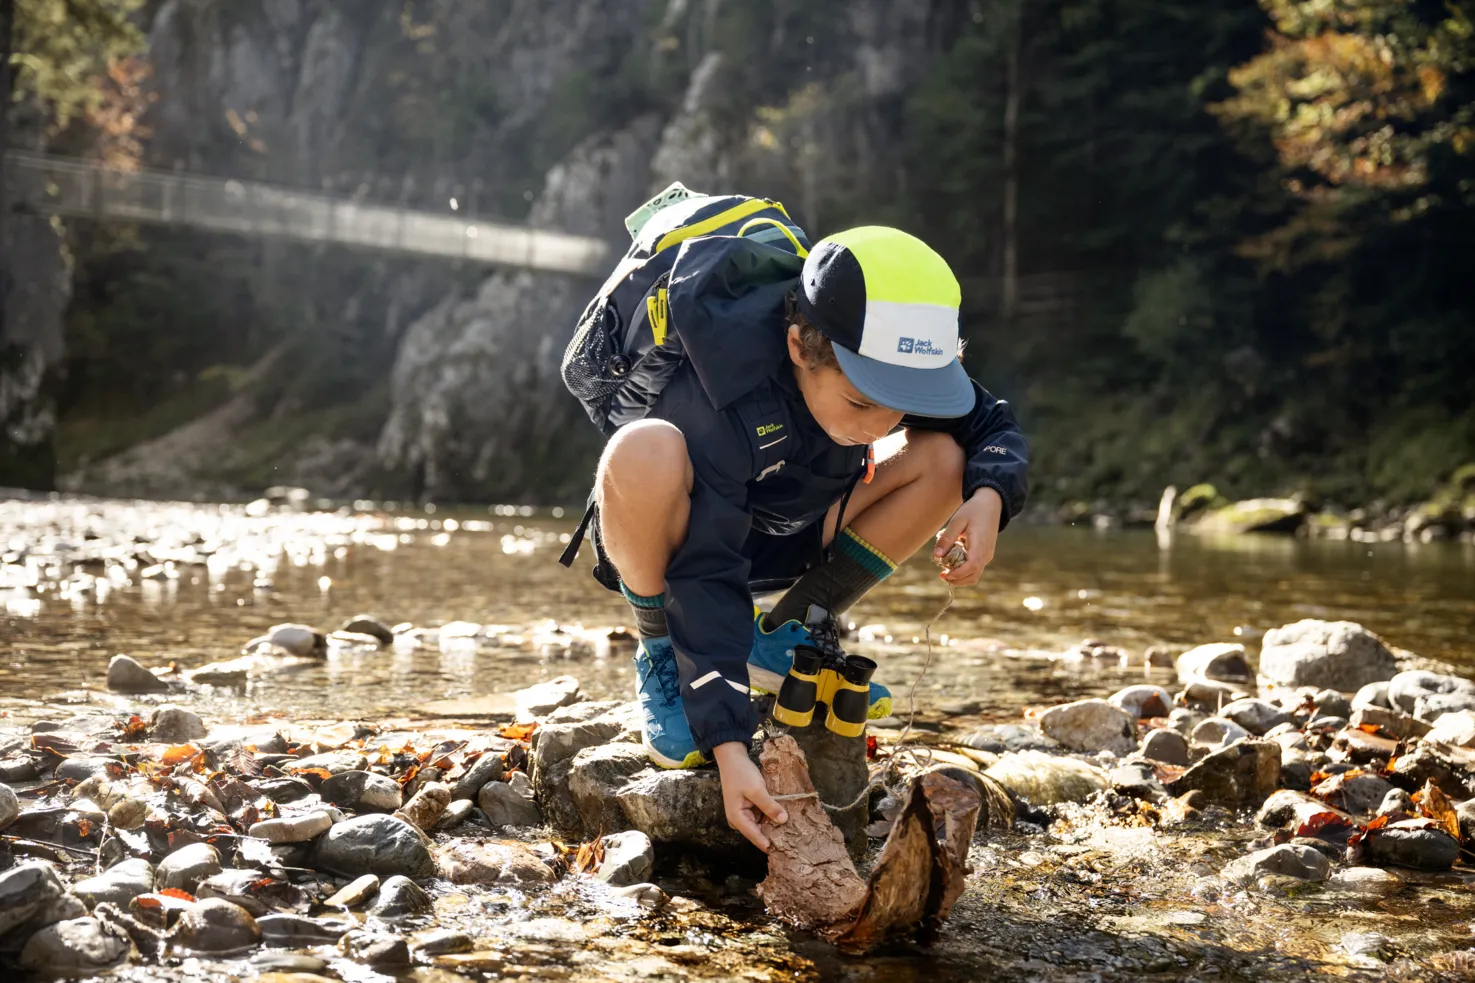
{"x":81,"y":581}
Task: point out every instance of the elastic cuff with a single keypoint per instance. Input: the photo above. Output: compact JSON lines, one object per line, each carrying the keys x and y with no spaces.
{"x":725,"y":736}
{"x":642,"y":601}
{"x":876,"y":563}
{"x":1008,"y":511}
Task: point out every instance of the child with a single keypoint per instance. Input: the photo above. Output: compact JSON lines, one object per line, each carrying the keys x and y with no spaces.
{"x":753,"y":472}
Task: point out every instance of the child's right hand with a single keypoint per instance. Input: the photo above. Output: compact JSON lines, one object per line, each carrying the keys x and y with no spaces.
{"x":745,"y":797}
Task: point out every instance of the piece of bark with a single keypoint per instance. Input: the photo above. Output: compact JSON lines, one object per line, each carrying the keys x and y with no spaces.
{"x":811,"y":882}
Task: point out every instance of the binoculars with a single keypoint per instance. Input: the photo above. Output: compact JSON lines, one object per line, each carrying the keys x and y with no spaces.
{"x":840,"y":681}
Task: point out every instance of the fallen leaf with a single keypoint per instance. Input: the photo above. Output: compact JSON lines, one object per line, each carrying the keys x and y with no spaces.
{"x":176,"y":753}
{"x":134,"y":731}
{"x":1326,"y":826}
{"x":174,"y":892}
{"x":1437,"y":806}
{"x":518,"y":732}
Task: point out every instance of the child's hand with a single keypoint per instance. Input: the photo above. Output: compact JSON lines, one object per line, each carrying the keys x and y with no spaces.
{"x":976,"y":524}
{"x":744,"y":796}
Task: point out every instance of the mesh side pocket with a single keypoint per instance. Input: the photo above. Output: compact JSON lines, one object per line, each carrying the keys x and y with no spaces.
{"x":588,"y":361}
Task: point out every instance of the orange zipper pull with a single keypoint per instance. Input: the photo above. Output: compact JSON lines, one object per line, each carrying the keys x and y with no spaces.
{"x":870,"y":463}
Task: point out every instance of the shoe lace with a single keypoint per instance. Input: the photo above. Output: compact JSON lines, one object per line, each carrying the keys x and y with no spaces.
{"x":667,"y":678}
{"x":825,"y":636}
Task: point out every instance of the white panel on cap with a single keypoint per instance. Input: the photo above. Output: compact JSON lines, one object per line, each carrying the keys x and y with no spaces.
{"x":919,"y":336}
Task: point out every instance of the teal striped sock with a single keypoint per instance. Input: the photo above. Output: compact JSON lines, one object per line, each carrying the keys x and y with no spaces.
{"x":835,"y":586}
{"x":650,"y":612}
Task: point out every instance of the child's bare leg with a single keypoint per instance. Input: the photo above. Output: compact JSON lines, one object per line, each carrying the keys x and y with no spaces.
{"x":644,"y":492}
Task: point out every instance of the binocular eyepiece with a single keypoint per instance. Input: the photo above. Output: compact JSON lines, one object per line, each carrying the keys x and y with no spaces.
{"x":840,"y":681}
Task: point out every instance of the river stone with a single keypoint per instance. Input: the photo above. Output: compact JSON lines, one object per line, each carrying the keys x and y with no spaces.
{"x":1431,"y":763}
{"x":1165,"y":745}
{"x":299,"y":640}
{"x":374,"y":844}
{"x":1219,"y":661}
{"x":1287,"y":735}
{"x":1288,"y":860}
{"x":375,"y":948}
{"x":1360,"y":793}
{"x":1393,"y":723}
{"x":1143,"y":701}
{"x":998,"y":738}
{"x":1371,"y":882}
{"x":520,"y":783}
{"x":628,"y":858}
{"x":1434,"y":706}
{"x":186,"y":867}
{"x":294,"y":829}
{"x":441,"y":941}
{"x":1398,"y":804}
{"x":125,"y":675}
{"x":505,"y":862}
{"x":1337,"y":655}
{"x":76,"y":947}
{"x":597,"y":774}
{"x":541,"y":699}
{"x":290,"y":931}
{"x":1296,"y":770}
{"x":170,"y":724}
{"x":1456,"y":729}
{"x":9,"y":806}
{"x":456,"y":813}
{"x":1289,"y":809}
{"x":1254,"y":715}
{"x":18,"y":769}
{"x":1091,"y":725}
{"x":682,"y":806}
{"x":1330,"y":703}
{"x":215,"y":925}
{"x":1217,"y":732}
{"x":25,"y":890}
{"x":1372,"y":695}
{"x":399,"y":896}
{"x":487,"y":768}
{"x":504,"y":807}
{"x":362,"y":791}
{"x":1405,"y":689}
{"x":363,"y":624}
{"x":1240,"y":776}
{"x":1421,"y":849}
{"x":426,"y":806}
{"x":354,"y":893}
{"x":119,"y":884}
{"x":1209,"y":694}
{"x":1137,"y":779}
{"x":333,"y":762}
{"x":1042,"y":779}
{"x":555,"y":743}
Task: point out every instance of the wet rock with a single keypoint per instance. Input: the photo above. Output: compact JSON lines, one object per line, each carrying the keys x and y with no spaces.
{"x":333,"y":762}
{"x":1435,"y":706}
{"x":1330,"y":703}
{"x":294,"y":829}
{"x":1296,"y":769}
{"x":1360,"y":747}
{"x":1254,"y":715}
{"x":125,"y":675}
{"x":399,"y":896}
{"x":1371,"y":882}
{"x":1217,"y":732}
{"x":18,"y":769}
{"x":487,"y":768}
{"x":283,"y":790}
{"x":1091,"y":725}
{"x":998,"y":738}
{"x":1209,"y":694}
{"x":1406,"y":688}
{"x":1184,"y":719}
{"x":299,"y":640}
{"x":9,"y":806}
{"x":1143,"y":701}
{"x":628,"y":858}
{"x":148,"y":941}
{"x":1287,"y":735}
{"x":426,"y":806}
{"x":158,"y":911}
{"x":374,"y":844}
{"x":645,"y":895}
{"x":290,"y":931}
{"x":1456,"y":728}
{"x":1137,"y":779}
{"x":374,"y":949}
{"x":1337,"y":655}
{"x":1221,"y":661}
{"x":245,"y":887}
{"x":1240,"y":776}
{"x":175,"y":725}
{"x":1325,"y":725}
{"x":554,"y":745}
{"x":1165,"y":745}
{"x":1430,"y":763}
{"x":215,"y":925}
{"x":78,"y":946}
{"x":363,"y":624}
{"x":456,"y":813}
{"x":186,"y":867}
{"x":1398,"y":804}
{"x":1353,"y":791}
{"x":1041,"y":779}
{"x":1372,"y":695}
{"x":519,"y":782}
{"x":1421,"y":849}
{"x":119,"y":884}
{"x":681,"y":806}
{"x":289,"y":967}
{"x":506,"y":862}
{"x":504,"y":807}
{"x":362,"y":791}
{"x":1288,"y":860}
{"x":442,"y":941}
{"x":25,"y":890}
{"x":597,"y":774}
{"x":354,"y":893}
{"x":1290,"y":809}
{"x":538,"y":701}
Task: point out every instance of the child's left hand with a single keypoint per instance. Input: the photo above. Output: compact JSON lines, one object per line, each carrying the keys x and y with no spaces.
{"x":976,"y":524}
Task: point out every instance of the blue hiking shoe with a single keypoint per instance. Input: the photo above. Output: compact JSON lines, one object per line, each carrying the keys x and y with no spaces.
{"x":665,"y":732}
{"x":773,"y":655}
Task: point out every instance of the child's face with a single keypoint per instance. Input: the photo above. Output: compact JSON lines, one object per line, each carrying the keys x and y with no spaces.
{"x":847,"y":416}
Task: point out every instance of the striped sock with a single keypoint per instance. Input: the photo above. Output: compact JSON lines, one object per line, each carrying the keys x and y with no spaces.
{"x":835,"y":586}
{"x":650,"y":612}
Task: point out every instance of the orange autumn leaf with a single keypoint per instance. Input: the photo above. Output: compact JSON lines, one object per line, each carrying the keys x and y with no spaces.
{"x":84,"y":828}
{"x":1436,"y":805}
{"x":174,"y":892}
{"x":518,"y":732}
{"x":314,"y":772}
{"x":1368,"y":728}
{"x":174,"y":754}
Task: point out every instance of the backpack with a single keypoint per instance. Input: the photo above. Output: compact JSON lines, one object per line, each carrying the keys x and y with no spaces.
{"x":625,"y":348}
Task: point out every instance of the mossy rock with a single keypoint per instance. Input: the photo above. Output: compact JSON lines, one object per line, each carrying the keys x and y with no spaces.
{"x":1199,"y":499}
{"x":1262,"y":515}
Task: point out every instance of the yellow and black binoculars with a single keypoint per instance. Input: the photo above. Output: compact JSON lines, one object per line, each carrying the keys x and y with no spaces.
{"x":841,"y":682}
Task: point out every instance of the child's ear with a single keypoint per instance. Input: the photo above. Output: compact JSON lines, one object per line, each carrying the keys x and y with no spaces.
{"x":796,"y":349}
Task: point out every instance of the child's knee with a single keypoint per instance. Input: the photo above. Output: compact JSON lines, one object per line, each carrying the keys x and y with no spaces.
{"x":942,"y":459}
{"x":650,"y":456}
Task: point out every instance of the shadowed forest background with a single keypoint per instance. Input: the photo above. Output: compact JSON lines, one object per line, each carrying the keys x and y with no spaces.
{"x":1200,"y":240}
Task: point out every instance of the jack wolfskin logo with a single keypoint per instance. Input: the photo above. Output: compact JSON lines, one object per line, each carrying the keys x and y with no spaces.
{"x":918,"y":346}
{"x":906,"y":345}
{"x":769,"y":428}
